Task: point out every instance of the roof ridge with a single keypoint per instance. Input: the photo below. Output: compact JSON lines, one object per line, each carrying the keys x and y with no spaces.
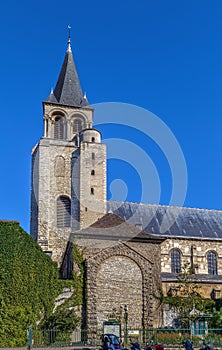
{"x":167,"y":206}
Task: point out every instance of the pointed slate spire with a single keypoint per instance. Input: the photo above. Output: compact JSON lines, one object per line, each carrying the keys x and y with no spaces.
{"x":68,"y":90}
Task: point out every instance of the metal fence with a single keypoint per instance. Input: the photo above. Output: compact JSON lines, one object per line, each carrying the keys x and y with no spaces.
{"x":174,"y":336}
{"x":167,"y":336}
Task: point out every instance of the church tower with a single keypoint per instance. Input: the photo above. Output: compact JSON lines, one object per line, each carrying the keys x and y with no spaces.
{"x":68,"y":187}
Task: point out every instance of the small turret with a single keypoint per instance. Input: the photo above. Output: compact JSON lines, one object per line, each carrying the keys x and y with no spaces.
{"x":90,"y":135}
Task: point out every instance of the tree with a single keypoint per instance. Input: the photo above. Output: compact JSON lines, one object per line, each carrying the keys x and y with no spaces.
{"x":216,"y":311}
{"x":186,"y":299}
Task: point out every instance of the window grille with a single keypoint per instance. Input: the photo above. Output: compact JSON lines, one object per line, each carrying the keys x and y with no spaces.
{"x":59,"y":128}
{"x":63,"y":212}
{"x":212,"y":263}
{"x":175,"y":261}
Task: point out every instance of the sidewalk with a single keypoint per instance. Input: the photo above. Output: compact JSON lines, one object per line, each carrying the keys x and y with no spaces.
{"x":54,"y":348}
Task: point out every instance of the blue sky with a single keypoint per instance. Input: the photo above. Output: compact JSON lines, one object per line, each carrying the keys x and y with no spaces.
{"x":163,"y":56}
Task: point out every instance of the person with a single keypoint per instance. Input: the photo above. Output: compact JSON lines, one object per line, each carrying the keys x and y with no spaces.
{"x":135,"y":346}
{"x":105,"y":342}
{"x":207,"y":347}
{"x":148,"y":347}
{"x":187,"y":344}
{"x":111,"y":345}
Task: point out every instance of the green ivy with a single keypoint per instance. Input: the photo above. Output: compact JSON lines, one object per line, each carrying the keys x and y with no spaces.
{"x":79,"y":276}
{"x":64,"y":318}
{"x":29,"y":284}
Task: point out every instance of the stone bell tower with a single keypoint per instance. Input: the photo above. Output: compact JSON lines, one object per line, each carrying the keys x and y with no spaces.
{"x":68,"y":187}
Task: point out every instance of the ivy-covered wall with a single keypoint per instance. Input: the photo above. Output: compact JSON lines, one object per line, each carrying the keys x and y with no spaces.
{"x":29,"y":284}
{"x":31,"y":292}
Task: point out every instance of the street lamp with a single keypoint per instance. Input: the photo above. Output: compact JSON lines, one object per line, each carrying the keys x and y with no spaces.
{"x":29,"y":333}
{"x":126,"y":324}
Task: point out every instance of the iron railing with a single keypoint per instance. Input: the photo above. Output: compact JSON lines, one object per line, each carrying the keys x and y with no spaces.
{"x":167,"y":336}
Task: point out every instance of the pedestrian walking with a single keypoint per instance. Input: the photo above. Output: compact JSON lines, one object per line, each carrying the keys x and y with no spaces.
{"x":187,"y":344}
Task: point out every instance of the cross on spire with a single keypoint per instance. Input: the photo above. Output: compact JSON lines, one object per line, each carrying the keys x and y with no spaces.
{"x":69,"y":39}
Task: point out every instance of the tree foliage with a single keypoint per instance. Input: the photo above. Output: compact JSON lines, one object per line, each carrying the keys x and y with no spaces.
{"x":187,"y":300}
{"x":63,"y":319}
{"x":216,"y":312}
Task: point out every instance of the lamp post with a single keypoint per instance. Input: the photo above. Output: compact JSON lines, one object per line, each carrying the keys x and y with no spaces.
{"x":29,"y":333}
{"x":126,"y":324}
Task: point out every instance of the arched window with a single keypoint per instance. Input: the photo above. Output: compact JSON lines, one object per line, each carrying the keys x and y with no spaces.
{"x":175,"y":261}
{"x":77,"y":125}
{"x":93,"y":172}
{"x":59,"y":132}
{"x":212,"y":263}
{"x":63,"y":212}
{"x":93,"y":139}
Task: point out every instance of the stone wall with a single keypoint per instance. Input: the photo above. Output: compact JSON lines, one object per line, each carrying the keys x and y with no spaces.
{"x":54,"y":180}
{"x":70,"y":113}
{"x":206,"y":289}
{"x":59,"y":186}
{"x":119,"y":283}
{"x":123,"y":274}
{"x":200,"y":249}
{"x":92,"y":182}
{"x":51,"y":175}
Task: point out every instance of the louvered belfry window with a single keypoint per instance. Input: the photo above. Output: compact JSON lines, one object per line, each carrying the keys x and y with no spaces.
{"x":59,"y":128}
{"x":212,"y":263}
{"x":63,"y":212}
{"x":175,"y":261}
{"x":77,"y":125}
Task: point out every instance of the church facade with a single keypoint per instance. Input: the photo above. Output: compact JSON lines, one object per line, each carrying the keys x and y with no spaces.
{"x":129,"y":260}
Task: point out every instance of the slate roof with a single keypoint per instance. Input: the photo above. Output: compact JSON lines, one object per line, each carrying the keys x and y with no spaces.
{"x":68,"y":90}
{"x":112,"y":227}
{"x":170,"y":221}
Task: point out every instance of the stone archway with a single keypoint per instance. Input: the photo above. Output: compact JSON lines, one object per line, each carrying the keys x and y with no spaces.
{"x":130,"y":258}
{"x":119,"y":283}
